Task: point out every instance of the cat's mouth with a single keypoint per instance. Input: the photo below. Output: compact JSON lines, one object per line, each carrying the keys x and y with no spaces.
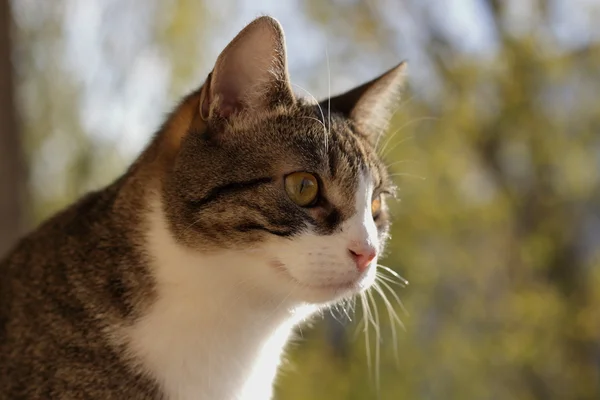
{"x":353,"y":285}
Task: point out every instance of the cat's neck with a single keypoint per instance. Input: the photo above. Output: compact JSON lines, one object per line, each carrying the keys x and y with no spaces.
{"x":209,"y":333}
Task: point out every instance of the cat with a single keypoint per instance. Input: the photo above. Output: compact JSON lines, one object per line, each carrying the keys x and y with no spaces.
{"x":248,"y":211}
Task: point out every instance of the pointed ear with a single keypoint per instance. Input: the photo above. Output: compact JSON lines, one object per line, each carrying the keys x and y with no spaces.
{"x":370,"y":106}
{"x":250,"y":74}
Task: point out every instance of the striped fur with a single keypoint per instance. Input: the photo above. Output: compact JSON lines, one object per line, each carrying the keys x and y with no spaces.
{"x":184,"y":278}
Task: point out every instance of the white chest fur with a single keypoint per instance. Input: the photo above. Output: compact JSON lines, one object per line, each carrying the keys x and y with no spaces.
{"x":208,"y":335}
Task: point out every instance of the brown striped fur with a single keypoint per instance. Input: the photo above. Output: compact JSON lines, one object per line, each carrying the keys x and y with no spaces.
{"x":70,"y":288}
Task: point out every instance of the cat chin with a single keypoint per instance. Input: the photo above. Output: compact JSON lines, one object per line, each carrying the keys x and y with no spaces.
{"x":323,"y":295}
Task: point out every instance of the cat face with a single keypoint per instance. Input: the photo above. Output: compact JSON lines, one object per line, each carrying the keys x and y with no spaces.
{"x":298,"y":191}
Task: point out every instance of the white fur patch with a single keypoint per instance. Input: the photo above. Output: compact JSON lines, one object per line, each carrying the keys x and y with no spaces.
{"x":316,"y":261}
{"x":221,"y":321}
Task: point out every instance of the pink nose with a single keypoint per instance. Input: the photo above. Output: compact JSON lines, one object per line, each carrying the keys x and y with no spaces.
{"x":362,"y":256}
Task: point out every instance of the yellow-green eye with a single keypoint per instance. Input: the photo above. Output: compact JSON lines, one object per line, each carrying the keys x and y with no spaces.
{"x":376,"y":206}
{"x":302,"y":188}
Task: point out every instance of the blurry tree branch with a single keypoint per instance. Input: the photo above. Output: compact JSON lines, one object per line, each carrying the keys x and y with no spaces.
{"x":12,"y":163}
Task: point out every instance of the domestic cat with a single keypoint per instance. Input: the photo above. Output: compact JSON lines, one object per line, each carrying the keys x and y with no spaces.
{"x":248,"y":211}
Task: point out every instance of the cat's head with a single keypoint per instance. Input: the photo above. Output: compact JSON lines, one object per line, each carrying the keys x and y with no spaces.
{"x":297,"y":194}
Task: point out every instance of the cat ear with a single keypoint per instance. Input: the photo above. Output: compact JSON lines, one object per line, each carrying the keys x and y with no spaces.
{"x":250,"y":74}
{"x":370,"y":106}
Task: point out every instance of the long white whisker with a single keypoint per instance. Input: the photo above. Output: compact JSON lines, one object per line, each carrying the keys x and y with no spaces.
{"x":388,"y":287}
{"x":377,"y":342}
{"x":394,"y":273}
{"x":401,"y":162}
{"x":390,"y":280}
{"x":366,"y":312}
{"x":310,"y":95}
{"x":337,"y":311}
{"x":318,"y":105}
{"x":374,"y":313}
{"x":352,"y":304}
{"x":359,"y":327}
{"x":399,"y":129}
{"x":406,"y":174}
{"x":388,"y":303}
{"x":387,"y":142}
{"x":393,"y":319}
{"x":330,"y":309}
{"x":315,"y":119}
{"x":381,"y":134}
{"x":345,"y":303}
{"x":187,"y":228}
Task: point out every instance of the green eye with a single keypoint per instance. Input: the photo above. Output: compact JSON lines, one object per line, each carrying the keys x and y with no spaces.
{"x":302,"y":188}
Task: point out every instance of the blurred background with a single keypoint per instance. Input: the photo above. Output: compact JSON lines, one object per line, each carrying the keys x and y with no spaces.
{"x":495,"y":148}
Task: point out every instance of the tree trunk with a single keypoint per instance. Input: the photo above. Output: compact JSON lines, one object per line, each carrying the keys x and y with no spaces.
{"x":12,"y":164}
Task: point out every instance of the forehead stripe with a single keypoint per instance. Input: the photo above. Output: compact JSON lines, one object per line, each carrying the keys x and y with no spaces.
{"x":227,"y":189}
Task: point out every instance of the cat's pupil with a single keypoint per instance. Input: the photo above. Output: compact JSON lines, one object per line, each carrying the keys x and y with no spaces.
{"x":305,"y":182}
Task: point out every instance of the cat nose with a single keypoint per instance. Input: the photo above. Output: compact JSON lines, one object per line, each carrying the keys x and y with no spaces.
{"x":362,"y":256}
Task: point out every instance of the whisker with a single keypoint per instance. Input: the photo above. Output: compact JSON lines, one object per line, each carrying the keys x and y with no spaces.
{"x":309,"y":94}
{"x":394,"y":273}
{"x":351,"y":304}
{"x":388,"y":287}
{"x":388,"y":141}
{"x":330,"y":309}
{"x":407,"y":174}
{"x":388,"y":303}
{"x":406,"y":139}
{"x":359,"y":328}
{"x":366,"y":311}
{"x":377,"y":342}
{"x":400,"y":107}
{"x":315,"y":119}
{"x":190,"y":226}
{"x":390,"y":280}
{"x":318,"y":105}
{"x":393,"y":318}
{"x":346,"y":302}
{"x":401,"y":162}
{"x":339,"y":313}
{"x":374,"y":313}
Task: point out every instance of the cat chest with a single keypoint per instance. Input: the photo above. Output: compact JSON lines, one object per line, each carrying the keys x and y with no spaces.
{"x":224,"y":358}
